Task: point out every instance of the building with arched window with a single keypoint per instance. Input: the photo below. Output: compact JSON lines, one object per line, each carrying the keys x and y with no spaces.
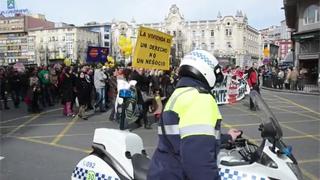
{"x":303,"y":17}
{"x":230,"y":38}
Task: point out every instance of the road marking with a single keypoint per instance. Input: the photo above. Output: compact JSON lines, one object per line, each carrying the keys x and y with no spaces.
{"x":22,"y":125}
{"x":299,"y":113}
{"x":10,"y":120}
{"x":245,"y":111}
{"x":300,"y":132}
{"x":285,"y":122}
{"x":303,"y":107}
{"x":55,"y":145}
{"x":308,"y":161}
{"x":65,"y":130}
{"x":309,"y":175}
{"x":57,"y":124}
{"x":236,"y":115}
{"x":277,"y":102}
{"x":50,"y":136}
{"x":1,"y":157}
{"x":296,"y":137}
{"x":286,"y":107}
{"x":283,"y":125}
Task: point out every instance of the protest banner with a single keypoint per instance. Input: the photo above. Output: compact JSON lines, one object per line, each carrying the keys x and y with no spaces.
{"x":231,"y":91}
{"x":152,"y":50}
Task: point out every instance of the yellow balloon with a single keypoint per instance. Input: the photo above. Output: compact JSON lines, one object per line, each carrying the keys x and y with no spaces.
{"x":125,"y":45}
{"x":67,"y":62}
{"x":110,"y":62}
{"x":109,"y":59}
{"x":122,"y":41}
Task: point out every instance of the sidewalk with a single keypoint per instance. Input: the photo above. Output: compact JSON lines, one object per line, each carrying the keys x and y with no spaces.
{"x":309,"y":89}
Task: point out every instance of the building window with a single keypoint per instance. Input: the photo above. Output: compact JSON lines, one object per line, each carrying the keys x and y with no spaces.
{"x":106,"y":36}
{"x":228,"y":32}
{"x":311,"y":15}
{"x":180,"y":34}
{"x":229,"y":45}
{"x":194,"y":33}
{"x":212,"y":45}
{"x":212,"y":33}
{"x":174,"y":33}
{"x":106,"y":29}
{"x":202,"y":33}
{"x":106,"y":44}
{"x":203,"y":46}
{"x":193,"y":45}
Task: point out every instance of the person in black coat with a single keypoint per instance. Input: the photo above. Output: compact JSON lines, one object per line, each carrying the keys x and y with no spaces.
{"x":4,"y":85}
{"x":83,"y":94}
{"x":15,"y":85}
{"x":141,"y":86}
{"x":67,"y":91}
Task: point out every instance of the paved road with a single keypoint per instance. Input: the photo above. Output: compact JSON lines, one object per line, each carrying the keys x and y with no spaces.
{"x":48,"y":145}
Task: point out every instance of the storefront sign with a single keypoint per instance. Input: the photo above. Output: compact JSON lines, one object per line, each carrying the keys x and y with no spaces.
{"x":11,"y":9}
{"x":97,"y":54}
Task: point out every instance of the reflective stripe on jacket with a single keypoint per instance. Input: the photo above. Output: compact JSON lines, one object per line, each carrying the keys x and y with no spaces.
{"x":192,"y":126}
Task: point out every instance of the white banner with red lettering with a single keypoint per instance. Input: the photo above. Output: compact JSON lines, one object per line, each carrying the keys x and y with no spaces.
{"x":231,"y":90}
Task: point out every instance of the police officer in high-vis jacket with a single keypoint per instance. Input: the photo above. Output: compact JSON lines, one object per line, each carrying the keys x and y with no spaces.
{"x":189,"y":128}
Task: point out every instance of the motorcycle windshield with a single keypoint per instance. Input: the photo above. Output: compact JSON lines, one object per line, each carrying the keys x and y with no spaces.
{"x":270,"y":125}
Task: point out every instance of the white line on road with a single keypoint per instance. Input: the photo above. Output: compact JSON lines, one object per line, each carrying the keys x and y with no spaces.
{"x":10,"y":120}
{"x":27,"y":116}
{"x":1,"y":158}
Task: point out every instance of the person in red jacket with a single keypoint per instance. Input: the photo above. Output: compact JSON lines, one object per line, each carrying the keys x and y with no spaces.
{"x":253,"y":81}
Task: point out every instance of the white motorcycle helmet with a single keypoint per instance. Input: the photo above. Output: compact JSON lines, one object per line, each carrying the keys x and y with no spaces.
{"x":203,"y":66}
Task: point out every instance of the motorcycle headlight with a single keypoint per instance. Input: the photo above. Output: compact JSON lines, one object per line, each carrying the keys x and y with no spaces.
{"x":296,"y":170}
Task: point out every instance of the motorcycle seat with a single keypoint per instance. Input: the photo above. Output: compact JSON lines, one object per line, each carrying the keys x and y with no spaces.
{"x":140,"y":165}
{"x":227,"y":163}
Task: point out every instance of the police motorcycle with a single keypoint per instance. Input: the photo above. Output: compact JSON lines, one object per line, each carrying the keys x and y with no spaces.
{"x":126,"y":106}
{"x":120,"y":155}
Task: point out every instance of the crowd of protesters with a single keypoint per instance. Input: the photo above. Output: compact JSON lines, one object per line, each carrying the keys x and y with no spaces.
{"x":290,"y":78}
{"x":86,"y":87}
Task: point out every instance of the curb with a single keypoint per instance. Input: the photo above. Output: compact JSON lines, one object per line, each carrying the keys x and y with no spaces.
{"x":293,"y":92}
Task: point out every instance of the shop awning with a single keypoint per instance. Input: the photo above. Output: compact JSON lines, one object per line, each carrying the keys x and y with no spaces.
{"x":306,"y":35}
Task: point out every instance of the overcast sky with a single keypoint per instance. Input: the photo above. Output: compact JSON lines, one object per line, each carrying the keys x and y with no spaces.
{"x":260,"y":13}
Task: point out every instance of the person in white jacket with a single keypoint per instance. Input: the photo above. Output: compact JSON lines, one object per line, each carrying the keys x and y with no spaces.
{"x":100,"y":84}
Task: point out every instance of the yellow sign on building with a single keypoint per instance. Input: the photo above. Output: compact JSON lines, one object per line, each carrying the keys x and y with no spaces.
{"x":152,"y":49}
